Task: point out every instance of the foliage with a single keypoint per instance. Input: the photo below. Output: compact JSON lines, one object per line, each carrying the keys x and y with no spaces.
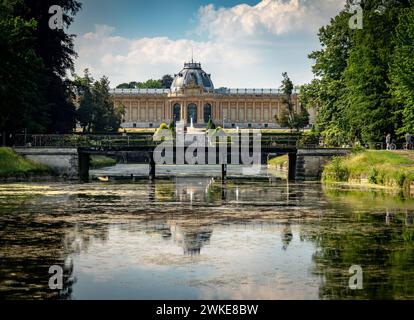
{"x":379,"y":167}
{"x":11,"y":164}
{"x":101,"y":161}
{"x":96,"y":111}
{"x":308,"y":139}
{"x":355,"y":70}
{"x":279,"y":161}
{"x":210,"y":125}
{"x":34,"y":92}
{"x":402,"y":70}
{"x":288,"y":116}
{"x":164,"y":83}
{"x":164,"y":126}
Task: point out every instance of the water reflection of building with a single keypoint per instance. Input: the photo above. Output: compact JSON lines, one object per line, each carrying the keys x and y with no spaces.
{"x":191,"y":237}
{"x":192,"y":189}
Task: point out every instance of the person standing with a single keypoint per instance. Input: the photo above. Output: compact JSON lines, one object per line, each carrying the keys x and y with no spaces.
{"x":388,"y":141}
{"x":409,"y":141}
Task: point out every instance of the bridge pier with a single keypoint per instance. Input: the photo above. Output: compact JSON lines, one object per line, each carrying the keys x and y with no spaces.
{"x":224,"y":173}
{"x":152,"y":167}
{"x":84,"y":164}
{"x":292,"y":166}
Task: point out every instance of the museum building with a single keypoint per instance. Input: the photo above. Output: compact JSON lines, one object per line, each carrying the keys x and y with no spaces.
{"x":192,"y":98}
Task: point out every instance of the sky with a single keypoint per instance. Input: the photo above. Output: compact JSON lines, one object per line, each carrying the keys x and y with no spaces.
{"x":243,"y":44}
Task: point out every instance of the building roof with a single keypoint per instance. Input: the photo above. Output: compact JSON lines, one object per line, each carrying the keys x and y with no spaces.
{"x":223,"y":91}
{"x":192,"y":75}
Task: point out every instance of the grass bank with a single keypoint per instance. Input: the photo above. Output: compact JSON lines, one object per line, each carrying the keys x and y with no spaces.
{"x":377,"y":168}
{"x":281,"y":161}
{"x":12,"y":164}
{"x":101,"y":162}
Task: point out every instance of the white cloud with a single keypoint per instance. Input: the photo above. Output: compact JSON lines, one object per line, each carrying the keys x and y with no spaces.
{"x":246,"y":46}
{"x":267,"y":17}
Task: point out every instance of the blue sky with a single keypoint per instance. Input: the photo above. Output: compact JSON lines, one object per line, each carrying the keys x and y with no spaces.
{"x":241,"y":43}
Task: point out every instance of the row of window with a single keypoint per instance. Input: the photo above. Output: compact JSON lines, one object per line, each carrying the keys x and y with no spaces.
{"x":233,"y":125}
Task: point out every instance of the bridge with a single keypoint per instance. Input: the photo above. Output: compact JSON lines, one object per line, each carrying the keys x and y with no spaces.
{"x":70,"y":156}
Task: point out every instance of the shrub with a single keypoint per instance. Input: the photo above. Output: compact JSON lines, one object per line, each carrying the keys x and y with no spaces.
{"x":336,"y":171}
{"x":373,"y":175}
{"x":211,"y":125}
{"x":172,"y":126}
{"x":400,"y":178}
{"x":309,"y":139}
{"x":164,"y":126}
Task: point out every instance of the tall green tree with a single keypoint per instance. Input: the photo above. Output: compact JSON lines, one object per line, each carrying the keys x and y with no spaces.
{"x":167,"y":81}
{"x":289,"y":117}
{"x":51,"y":57}
{"x":352,"y":75}
{"x":96,"y":111}
{"x":56,"y":49}
{"x":19,"y":68}
{"x":402,"y":70}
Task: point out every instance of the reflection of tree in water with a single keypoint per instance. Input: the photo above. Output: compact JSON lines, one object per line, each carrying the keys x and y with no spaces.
{"x":31,"y":244}
{"x":381,"y":242}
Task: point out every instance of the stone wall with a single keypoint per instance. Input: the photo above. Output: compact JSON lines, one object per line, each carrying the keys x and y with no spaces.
{"x":63,"y":161}
{"x":311,"y":162}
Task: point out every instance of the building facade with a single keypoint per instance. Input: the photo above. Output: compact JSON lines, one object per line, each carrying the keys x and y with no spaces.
{"x":192,"y":98}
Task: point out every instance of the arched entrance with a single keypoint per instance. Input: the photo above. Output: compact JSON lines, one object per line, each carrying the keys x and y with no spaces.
{"x":192,"y":113}
{"x":177,"y":112}
{"x":207,"y":112}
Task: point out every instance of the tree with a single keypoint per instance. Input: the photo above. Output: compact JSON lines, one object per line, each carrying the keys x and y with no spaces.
{"x":19,"y":70}
{"x":352,"y":75}
{"x":150,"y":84}
{"x":167,"y":81}
{"x":289,"y":117}
{"x":164,"y":83}
{"x":35,"y":94}
{"x":131,"y":85}
{"x":402,"y":70}
{"x":55,"y":109}
{"x":96,"y":112}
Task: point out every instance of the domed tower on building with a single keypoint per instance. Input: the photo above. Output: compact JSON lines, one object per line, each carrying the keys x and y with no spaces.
{"x":192,"y":76}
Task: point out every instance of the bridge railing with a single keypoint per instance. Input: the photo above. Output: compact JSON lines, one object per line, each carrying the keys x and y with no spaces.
{"x":76,"y":141}
{"x":134,"y":140}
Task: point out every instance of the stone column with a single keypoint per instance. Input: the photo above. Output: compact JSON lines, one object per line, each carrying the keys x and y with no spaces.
{"x":200,"y":116}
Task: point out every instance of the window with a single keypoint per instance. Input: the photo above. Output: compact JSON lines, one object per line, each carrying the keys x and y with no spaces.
{"x":177,"y":112}
{"x":207,"y":112}
{"x":249,"y":125}
{"x":151,"y":125}
{"x":134,"y":125}
{"x":266,"y":125}
{"x":233,"y":125}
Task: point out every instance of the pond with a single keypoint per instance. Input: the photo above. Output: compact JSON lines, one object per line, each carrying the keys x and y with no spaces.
{"x":194,"y":238}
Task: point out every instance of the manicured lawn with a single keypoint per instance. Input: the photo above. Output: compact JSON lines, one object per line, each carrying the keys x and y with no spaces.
{"x":11,"y":164}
